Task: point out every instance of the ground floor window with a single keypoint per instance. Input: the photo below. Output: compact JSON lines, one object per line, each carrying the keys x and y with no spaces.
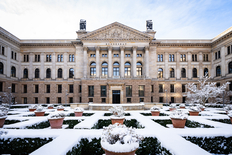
{"x":103,"y":100}
{"x":91,"y":91}
{"x":70,"y":99}
{"x":36,"y":100}
{"x":59,"y":99}
{"x":90,"y":99}
{"x":172,"y":99}
{"x":129,"y":91}
{"x":25,"y":100}
{"x":128,"y":100}
{"x":161,"y":99}
{"x":151,"y":99}
{"x":141,"y":90}
{"x":80,"y":99}
{"x":141,"y":99}
{"x":47,"y":100}
{"x":183,"y":99}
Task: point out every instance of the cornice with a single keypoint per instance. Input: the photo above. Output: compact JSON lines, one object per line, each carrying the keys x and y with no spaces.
{"x":180,"y":44}
{"x":45,"y":44}
{"x":222,"y":38}
{"x":9,"y":37}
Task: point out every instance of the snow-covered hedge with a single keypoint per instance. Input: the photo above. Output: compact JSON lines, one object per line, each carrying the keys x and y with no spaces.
{"x":178,"y":114}
{"x":56,"y":115}
{"x":39,"y":109}
{"x":117,"y":111}
{"x":195,"y":109}
{"x":60,"y":107}
{"x":155,"y":108}
{"x":119,"y":138}
{"x":32,"y":106}
{"x":78,"y":109}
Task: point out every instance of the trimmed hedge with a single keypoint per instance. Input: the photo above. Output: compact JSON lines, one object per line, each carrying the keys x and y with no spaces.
{"x":7,"y":122}
{"x":110,"y":114}
{"x":21,"y":146}
{"x":227,"y":121}
{"x":129,"y":123}
{"x":71,"y":123}
{"x":149,"y":146}
{"x":189,"y":124}
{"x":41,"y":125}
{"x":149,"y":114}
{"x":216,"y":145}
{"x":17,"y":107}
{"x":84,"y":114}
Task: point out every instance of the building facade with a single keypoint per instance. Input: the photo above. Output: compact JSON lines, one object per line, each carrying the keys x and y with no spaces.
{"x":113,"y":64}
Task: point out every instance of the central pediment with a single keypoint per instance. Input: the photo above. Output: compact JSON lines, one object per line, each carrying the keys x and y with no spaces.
{"x":116,"y":31}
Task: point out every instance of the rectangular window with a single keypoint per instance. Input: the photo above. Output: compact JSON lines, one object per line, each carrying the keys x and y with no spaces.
{"x":12,"y":55}
{"x":216,"y":56}
{"x":1,"y":86}
{"x":161,"y":99}
{"x":128,"y":100}
{"x":92,"y":71}
{"x":151,"y":99}
{"x":183,"y":88}
{"x":228,"y":50}
{"x":13,"y":88}
{"x":172,"y":99}
{"x":230,"y":86}
{"x":59,"y":88}
{"x":128,"y":91}
{"x":170,"y":57}
{"x":47,"y":100}
{"x":139,"y":71}
{"x":161,"y":90}
{"x":70,"y":99}
{"x":3,"y":50}
{"x":25,"y":88}
{"x":80,"y":100}
{"x":91,"y":91}
{"x":70,"y":88}
{"x":183,"y":99}
{"x":90,"y":99}
{"x":219,"y":54}
{"x":59,"y":99}
{"x":47,"y":88}
{"x":36,"y":88}
{"x":36,"y":100}
{"x":24,"y":100}
{"x":141,"y":90}
{"x":152,"y":88}
{"x":104,"y":71}
{"x":15,"y":56}
{"x":116,"y":71}
{"x":79,"y":88}
{"x":141,"y":99}
{"x":192,"y":57}
{"x":103,"y":100}
{"x":172,"y":88}
{"x":103,"y":91}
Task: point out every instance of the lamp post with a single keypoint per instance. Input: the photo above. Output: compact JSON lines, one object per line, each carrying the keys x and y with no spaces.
{"x":166,"y":96}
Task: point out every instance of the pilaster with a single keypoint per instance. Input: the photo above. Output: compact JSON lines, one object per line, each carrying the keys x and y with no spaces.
{"x":54,"y":66}
{"x":147,"y":61}
{"x":97,"y":61}
{"x":42,"y":66}
{"x":200,"y":73}
{"x":134,"y":48}
{"x":110,"y":61}
{"x":223,"y":61}
{"x":31,"y":70}
{"x":85,"y":61}
{"x":122,"y":63}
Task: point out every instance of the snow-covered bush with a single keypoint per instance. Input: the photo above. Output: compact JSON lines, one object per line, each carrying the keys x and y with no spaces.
{"x":182,"y":105}
{"x":78,"y":109}
{"x":178,"y":114}
{"x":50,"y":105}
{"x":39,"y":109}
{"x":119,"y":138}
{"x":173,"y":106}
{"x":117,"y":111}
{"x":201,"y":106}
{"x":230,"y":113}
{"x":56,"y":115}
{"x":4,"y":110}
{"x":32,"y":107}
{"x":60,"y":107}
{"x":228,"y":108}
{"x":195,"y":109}
{"x":155,"y":108}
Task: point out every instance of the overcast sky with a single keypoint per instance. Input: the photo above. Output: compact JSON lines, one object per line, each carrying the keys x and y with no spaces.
{"x":59,"y":19}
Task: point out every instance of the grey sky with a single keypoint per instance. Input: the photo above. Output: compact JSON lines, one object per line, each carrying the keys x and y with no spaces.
{"x":59,"y":19}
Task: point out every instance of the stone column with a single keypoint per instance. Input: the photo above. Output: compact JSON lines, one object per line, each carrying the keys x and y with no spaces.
{"x":134,"y":61}
{"x":43,"y":71}
{"x":223,"y":61}
{"x":54,"y":66}
{"x":66,"y":70}
{"x":200,"y":73}
{"x":97,"y":61}
{"x":85,"y":61}
{"x":178,"y":65}
{"x":122,"y":64}
{"x":110,"y":61}
{"x":79,"y":62}
{"x":166,"y":69}
{"x":31,"y":70}
{"x":189,"y":70}
{"x":147,"y":61}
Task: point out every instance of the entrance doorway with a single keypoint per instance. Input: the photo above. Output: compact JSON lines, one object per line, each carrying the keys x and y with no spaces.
{"x":116,"y":96}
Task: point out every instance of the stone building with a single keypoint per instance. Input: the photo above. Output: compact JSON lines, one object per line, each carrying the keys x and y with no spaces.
{"x":113,"y":64}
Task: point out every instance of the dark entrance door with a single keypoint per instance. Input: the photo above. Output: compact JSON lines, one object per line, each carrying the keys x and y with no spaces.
{"x":116,"y":96}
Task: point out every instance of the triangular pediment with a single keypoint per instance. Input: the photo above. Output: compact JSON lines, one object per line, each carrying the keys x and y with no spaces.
{"x":116,"y":31}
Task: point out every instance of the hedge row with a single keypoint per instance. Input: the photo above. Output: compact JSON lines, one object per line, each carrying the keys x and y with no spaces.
{"x":110,"y":114}
{"x":149,"y":114}
{"x":216,"y":145}
{"x":21,"y":146}
{"x":149,"y":146}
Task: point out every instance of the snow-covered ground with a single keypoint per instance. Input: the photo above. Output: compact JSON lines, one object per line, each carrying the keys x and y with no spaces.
{"x":64,"y":139}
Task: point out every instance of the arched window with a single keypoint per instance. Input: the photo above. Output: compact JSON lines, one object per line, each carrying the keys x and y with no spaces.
{"x":116,"y":69}
{"x":1,"y":68}
{"x":25,"y":73}
{"x":172,"y":73}
{"x":183,"y":72}
{"x":48,"y":73}
{"x":206,"y":72}
{"x":127,"y":69}
{"x":139,"y":69}
{"x":160,"y":73}
{"x":230,"y":67}
{"x":71,"y":73}
{"x":59,"y":73}
{"x":73,"y":58}
{"x":93,"y":69}
{"x":194,"y":72}
{"x":70,"y":57}
{"x":104,"y":69}
{"x":37,"y":73}
{"x":218,"y":71}
{"x":58,"y":58}
{"x":13,"y":71}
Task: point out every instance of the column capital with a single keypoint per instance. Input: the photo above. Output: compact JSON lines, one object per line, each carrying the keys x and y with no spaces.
{"x":109,"y":48}
{"x":85,"y":48}
{"x":97,"y":48}
{"x":134,"y":47}
{"x":147,"y":48}
{"x":122,"y":48}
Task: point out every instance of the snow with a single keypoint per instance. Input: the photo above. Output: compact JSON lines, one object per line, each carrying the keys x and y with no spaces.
{"x":65,"y":139}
